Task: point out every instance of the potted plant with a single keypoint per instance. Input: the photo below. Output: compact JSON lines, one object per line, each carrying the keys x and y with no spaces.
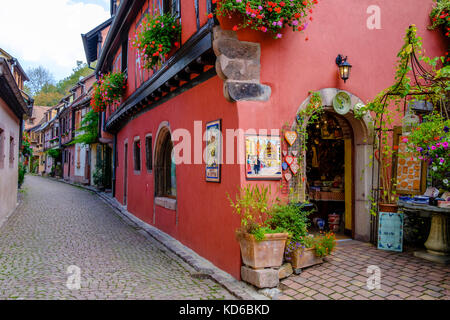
{"x":261,"y":246}
{"x":430,"y":142}
{"x":302,"y":250}
{"x":157,"y":36}
{"x":268,"y":16}
{"x":311,"y":250}
{"x":108,"y":89}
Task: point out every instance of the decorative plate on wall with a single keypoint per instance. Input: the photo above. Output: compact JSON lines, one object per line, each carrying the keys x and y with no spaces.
{"x":342,"y":103}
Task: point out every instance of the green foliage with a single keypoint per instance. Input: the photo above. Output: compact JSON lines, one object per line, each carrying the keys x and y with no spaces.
{"x":88,"y":132}
{"x":156,"y":37}
{"x":260,"y":233}
{"x":324,"y":244}
{"x":43,"y":88}
{"x":391,"y":100}
{"x":253,"y":205}
{"x":107,"y":90}
{"x":99,"y":175}
{"x":430,"y":142}
{"x":292,"y":218}
{"x":270,"y":16}
{"x":22,"y":172}
{"x":440,"y":16}
{"x":27,"y":151}
{"x":54,"y":153}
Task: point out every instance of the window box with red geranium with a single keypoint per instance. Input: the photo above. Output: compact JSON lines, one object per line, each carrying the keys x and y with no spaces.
{"x":107,"y":90}
{"x":268,"y":16}
{"x":157,"y":36}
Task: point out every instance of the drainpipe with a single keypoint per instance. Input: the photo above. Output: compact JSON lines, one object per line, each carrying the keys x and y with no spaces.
{"x":114,"y":166}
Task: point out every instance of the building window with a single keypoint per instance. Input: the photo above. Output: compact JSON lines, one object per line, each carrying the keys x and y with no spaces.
{"x":11,"y":150}
{"x":171,"y":7}
{"x":137,"y":155}
{"x":148,"y":153}
{"x":124,"y":55}
{"x":2,"y":147}
{"x":165,"y":178}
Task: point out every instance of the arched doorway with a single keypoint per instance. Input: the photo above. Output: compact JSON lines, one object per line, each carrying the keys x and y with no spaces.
{"x":355,"y":188}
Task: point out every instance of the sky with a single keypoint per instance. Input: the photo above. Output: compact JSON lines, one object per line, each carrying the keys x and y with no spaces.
{"x":48,"y":32}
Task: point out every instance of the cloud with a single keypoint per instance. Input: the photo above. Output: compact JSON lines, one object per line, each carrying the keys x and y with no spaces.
{"x":48,"y":32}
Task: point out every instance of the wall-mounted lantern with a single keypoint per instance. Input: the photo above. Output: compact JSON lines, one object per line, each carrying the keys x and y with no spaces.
{"x":344,"y":67}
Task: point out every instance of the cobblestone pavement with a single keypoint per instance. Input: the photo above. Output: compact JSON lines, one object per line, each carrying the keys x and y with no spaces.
{"x":58,"y":225}
{"x":344,"y":277}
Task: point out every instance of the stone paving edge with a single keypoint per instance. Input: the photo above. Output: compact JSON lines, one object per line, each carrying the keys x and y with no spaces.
{"x":204,"y":267}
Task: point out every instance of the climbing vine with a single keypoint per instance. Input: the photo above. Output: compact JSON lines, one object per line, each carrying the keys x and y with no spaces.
{"x":430,"y":84}
{"x":306,"y":116}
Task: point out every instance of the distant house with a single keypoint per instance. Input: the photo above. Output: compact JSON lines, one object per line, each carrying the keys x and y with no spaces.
{"x":31,"y":127}
{"x":15,"y":107}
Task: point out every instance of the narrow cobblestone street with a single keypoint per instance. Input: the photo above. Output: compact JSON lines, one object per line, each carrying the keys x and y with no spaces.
{"x":58,"y":225}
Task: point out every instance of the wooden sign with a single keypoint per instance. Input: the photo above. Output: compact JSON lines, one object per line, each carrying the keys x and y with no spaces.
{"x":390,"y":231}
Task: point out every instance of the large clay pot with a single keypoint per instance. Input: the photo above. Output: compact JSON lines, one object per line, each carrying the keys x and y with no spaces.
{"x":266,"y":253}
{"x":302,"y":258}
{"x":387,"y":207}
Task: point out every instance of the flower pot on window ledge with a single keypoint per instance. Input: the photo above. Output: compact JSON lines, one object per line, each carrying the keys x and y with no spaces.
{"x":266,"y":253}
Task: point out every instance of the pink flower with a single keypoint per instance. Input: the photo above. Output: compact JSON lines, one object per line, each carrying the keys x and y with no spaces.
{"x":405,"y":140}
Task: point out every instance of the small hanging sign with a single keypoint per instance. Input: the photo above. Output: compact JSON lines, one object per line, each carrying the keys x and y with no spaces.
{"x":294,"y":168}
{"x":290,"y":137}
{"x":289,"y":160}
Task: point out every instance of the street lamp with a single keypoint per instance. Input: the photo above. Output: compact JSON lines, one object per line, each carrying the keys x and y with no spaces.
{"x":344,"y":67}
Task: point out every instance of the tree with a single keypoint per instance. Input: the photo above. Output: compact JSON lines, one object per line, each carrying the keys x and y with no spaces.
{"x":39,"y":77}
{"x":80,"y":71}
{"x":43,"y":89}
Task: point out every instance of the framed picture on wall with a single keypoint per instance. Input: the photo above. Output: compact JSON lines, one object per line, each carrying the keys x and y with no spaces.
{"x":263,"y":157}
{"x":213,"y":150}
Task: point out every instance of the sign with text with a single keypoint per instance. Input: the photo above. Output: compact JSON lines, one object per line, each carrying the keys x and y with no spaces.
{"x":390,"y":231}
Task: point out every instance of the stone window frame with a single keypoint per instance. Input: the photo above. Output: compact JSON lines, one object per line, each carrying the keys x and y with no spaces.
{"x":136,"y":171}
{"x":165,"y":201}
{"x":149,"y":153}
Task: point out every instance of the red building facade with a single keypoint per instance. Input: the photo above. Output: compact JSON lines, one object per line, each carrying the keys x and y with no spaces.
{"x":247,"y":80}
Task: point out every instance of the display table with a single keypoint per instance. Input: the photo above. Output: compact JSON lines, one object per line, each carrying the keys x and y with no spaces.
{"x":437,"y":244}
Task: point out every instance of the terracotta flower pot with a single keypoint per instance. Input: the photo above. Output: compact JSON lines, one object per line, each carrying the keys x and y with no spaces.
{"x":387,"y":207}
{"x":304,"y":257}
{"x":266,"y":253}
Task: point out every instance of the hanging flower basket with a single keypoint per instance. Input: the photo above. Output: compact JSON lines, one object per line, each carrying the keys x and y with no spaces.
{"x":107,"y":90}
{"x":155,"y":38}
{"x":268,"y":16}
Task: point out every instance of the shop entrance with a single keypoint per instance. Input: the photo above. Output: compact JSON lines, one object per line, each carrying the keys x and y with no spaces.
{"x":329,"y":174}
{"x":357,"y":177}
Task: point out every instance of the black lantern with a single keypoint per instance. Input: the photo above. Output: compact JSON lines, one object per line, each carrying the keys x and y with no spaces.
{"x":344,"y":67}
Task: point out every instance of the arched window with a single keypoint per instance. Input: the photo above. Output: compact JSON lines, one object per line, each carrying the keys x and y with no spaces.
{"x":165,"y":169}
